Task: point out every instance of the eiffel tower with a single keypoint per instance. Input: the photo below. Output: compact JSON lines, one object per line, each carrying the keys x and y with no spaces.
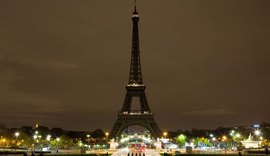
{"x":135,"y":88}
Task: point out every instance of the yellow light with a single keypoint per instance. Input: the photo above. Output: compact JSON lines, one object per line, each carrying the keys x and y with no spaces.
{"x":165,"y":134}
{"x":224,"y":138}
{"x":17,"y":134}
{"x":107,"y":134}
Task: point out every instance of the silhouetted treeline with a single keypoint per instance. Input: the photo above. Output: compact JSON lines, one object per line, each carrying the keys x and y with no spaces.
{"x":53,"y":132}
{"x":244,"y":130}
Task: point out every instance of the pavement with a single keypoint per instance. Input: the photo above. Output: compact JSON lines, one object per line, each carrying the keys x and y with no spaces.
{"x":124,"y":152}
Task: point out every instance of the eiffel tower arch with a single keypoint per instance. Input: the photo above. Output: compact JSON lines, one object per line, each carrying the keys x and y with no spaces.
{"x":135,"y":88}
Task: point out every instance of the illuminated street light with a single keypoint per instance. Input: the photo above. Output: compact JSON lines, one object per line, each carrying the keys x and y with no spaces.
{"x":107,"y":135}
{"x":165,"y":134}
{"x":224,"y":138}
{"x":35,"y":137}
{"x":238,"y":135}
{"x":80,"y":144}
{"x":17,"y":134}
{"x":48,"y":137}
{"x":57,"y":145}
{"x":88,"y":140}
{"x":232,"y":133}
{"x":214,"y":139}
{"x":257,"y":132}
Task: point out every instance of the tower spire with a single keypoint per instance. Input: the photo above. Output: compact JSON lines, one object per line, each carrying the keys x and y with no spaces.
{"x":135,"y":7}
{"x":135,"y":75}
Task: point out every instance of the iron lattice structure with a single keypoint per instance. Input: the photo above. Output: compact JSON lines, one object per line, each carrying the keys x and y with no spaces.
{"x":135,"y":88}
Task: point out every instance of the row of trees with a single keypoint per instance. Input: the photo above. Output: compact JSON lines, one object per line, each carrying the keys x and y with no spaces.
{"x":41,"y":137}
{"x":222,"y":137}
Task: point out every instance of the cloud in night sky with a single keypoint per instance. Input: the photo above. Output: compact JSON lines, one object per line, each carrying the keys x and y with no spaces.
{"x":66,"y":63}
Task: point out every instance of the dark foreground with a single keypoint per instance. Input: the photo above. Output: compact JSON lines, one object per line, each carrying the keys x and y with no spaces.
{"x":22,"y":154}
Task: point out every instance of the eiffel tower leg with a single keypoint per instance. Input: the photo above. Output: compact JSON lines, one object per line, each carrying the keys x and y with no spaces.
{"x":115,"y":130}
{"x":127,"y":103}
{"x":144,"y":103}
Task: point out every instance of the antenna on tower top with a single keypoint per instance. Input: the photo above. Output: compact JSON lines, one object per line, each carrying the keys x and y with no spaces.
{"x":135,"y":6}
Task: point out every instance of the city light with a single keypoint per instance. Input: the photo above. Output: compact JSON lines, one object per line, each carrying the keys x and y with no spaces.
{"x":80,"y":144}
{"x":257,"y":132}
{"x":238,"y":135}
{"x":57,"y":139}
{"x":35,"y":136}
{"x":48,"y":137}
{"x":224,"y":138}
{"x":232,"y":133}
{"x":165,"y":134}
{"x":17,"y":134}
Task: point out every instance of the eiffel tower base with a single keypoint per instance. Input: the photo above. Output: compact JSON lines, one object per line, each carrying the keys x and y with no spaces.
{"x":145,"y":120}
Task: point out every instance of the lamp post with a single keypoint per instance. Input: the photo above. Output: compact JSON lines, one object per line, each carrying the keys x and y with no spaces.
{"x":17,"y":134}
{"x":224,"y":138}
{"x":88,"y":140}
{"x":48,"y":138}
{"x":57,"y":147}
{"x":258,"y":133}
{"x":107,"y":135}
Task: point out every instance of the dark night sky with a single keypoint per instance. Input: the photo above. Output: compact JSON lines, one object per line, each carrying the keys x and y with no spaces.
{"x":65,"y":63}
